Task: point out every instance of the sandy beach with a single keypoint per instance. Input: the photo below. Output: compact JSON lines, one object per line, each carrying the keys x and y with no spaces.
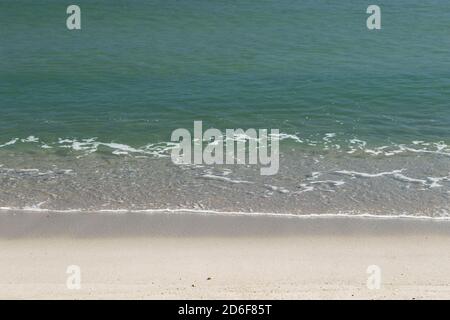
{"x":194,"y":256}
{"x":224,"y":150}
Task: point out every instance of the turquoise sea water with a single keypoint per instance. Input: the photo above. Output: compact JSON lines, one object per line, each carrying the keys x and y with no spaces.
{"x":140,"y":69}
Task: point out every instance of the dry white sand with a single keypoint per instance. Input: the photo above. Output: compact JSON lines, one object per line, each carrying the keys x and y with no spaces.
{"x":214,"y":257}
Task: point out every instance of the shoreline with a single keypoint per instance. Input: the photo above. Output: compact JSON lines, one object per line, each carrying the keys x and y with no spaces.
{"x":192,"y":256}
{"x":182,"y":223}
{"x":212,"y":212}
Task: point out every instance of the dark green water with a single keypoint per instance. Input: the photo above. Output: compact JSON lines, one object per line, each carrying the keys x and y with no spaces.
{"x":139,"y":69}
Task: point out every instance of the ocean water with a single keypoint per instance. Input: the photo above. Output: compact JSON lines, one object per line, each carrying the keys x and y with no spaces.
{"x":86,"y":115}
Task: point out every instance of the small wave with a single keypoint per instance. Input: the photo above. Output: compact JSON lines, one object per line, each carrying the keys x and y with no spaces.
{"x":320,"y":185}
{"x":31,"y":139}
{"x":222,"y":176}
{"x":355,"y":174}
{"x":428,"y":182}
{"x":329,"y":182}
{"x":286,"y":136}
{"x":418,"y":216}
{"x":328,"y":142}
{"x":91,"y":145}
{"x":312,"y":183}
{"x":11,"y":142}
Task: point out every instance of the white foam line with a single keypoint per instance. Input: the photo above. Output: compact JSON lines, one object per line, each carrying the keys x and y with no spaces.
{"x":426,"y":151}
{"x":430,"y":182}
{"x":404,"y":178}
{"x":330,"y":182}
{"x":283,"y":136}
{"x":30,"y":139}
{"x":369,"y":175}
{"x":220,"y":178}
{"x":233,"y":213}
{"x":9,"y":143}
